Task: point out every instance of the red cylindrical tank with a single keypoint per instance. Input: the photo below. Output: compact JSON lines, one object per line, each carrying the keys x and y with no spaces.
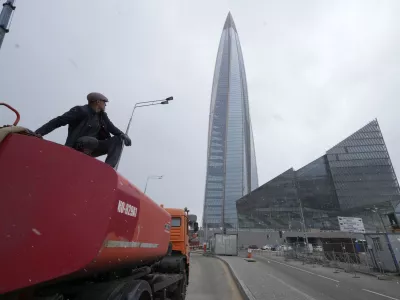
{"x":63,"y":213}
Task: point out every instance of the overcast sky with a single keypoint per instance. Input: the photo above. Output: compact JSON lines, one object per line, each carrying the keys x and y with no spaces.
{"x":316,"y":71}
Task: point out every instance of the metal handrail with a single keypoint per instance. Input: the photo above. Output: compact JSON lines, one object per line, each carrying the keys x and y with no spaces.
{"x":14,"y":110}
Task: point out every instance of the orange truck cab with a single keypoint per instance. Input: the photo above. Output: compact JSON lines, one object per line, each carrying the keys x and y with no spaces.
{"x":182,"y":224}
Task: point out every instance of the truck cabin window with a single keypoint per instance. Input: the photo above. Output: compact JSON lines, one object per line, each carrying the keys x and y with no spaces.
{"x":176,"y":222}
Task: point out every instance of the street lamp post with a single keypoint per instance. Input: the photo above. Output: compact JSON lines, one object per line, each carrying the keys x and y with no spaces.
{"x":151,"y":177}
{"x":138,"y":105}
{"x":296,"y":184}
{"x":304,"y":223}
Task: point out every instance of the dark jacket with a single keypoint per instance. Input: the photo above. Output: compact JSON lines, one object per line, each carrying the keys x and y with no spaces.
{"x":78,"y":119}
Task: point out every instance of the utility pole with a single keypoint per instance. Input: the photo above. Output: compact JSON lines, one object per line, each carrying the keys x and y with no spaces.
{"x":296,"y":185}
{"x":206,"y":235}
{"x":304,"y":224}
{"x":5,"y":18}
{"x":383,"y":223}
{"x":205,"y":221}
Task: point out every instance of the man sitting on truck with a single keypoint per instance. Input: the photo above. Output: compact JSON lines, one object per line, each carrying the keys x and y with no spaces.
{"x":90,"y":129}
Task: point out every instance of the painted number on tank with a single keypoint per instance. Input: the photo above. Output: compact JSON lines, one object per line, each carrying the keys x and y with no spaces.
{"x":127,"y":209}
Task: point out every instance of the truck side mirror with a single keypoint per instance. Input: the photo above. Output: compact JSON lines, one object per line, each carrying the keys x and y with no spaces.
{"x":192,"y":218}
{"x":195,"y":227}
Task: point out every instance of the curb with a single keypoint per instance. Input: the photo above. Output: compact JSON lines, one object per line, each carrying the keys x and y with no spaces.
{"x":360,"y":272}
{"x":244,"y":290}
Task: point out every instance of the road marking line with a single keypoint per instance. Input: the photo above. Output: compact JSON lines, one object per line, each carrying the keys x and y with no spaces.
{"x":308,"y":297}
{"x":278,"y":262}
{"x":327,"y":278}
{"x":380,"y":294}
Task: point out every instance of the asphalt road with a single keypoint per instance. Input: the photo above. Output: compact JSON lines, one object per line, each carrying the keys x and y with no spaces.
{"x":270,"y":278}
{"x":210,"y":279}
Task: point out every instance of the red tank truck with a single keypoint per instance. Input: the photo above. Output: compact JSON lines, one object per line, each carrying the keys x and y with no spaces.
{"x":72,"y":228}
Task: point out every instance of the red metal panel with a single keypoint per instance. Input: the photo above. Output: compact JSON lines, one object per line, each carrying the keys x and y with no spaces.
{"x":58,"y":209}
{"x":149,"y":241}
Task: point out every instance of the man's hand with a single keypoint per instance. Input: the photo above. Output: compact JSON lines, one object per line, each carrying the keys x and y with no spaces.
{"x":33,"y":133}
{"x":126,"y":139}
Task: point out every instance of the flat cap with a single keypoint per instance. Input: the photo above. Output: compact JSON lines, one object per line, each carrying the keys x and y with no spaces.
{"x":96,"y":96}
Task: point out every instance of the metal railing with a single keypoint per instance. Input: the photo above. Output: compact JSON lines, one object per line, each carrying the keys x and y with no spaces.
{"x":361,"y":261}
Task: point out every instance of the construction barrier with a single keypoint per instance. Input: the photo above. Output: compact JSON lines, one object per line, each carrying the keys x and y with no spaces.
{"x":197,"y":247}
{"x":350,"y":262}
{"x":249,"y":253}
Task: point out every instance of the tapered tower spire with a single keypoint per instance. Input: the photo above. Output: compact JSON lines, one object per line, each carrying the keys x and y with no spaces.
{"x":231,"y":161}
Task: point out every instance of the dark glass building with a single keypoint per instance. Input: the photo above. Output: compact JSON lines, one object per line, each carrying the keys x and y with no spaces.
{"x":354,"y":178}
{"x":231,"y":160}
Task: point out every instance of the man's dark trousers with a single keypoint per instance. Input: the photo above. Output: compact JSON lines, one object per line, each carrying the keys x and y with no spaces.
{"x":94,"y":147}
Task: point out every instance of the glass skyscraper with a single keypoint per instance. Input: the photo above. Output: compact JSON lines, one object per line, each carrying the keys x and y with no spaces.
{"x":355,"y":178}
{"x":231,"y":161}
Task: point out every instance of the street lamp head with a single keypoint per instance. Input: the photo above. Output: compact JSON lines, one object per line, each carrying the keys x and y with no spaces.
{"x":166,"y":100}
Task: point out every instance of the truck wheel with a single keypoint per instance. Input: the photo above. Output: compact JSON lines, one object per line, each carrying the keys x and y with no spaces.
{"x":127,"y":290}
{"x":135,"y":290}
{"x":180,"y":292}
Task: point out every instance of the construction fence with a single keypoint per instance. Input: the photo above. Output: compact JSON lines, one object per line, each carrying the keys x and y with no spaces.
{"x":340,"y":256}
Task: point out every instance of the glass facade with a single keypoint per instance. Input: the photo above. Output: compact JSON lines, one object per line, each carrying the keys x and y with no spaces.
{"x":354,"y":178}
{"x":272,"y":205}
{"x":231,"y":164}
{"x":362,"y":170}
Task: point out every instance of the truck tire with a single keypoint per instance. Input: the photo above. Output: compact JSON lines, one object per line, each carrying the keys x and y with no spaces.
{"x":135,"y":290}
{"x":118,"y":290}
{"x":180,"y":292}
